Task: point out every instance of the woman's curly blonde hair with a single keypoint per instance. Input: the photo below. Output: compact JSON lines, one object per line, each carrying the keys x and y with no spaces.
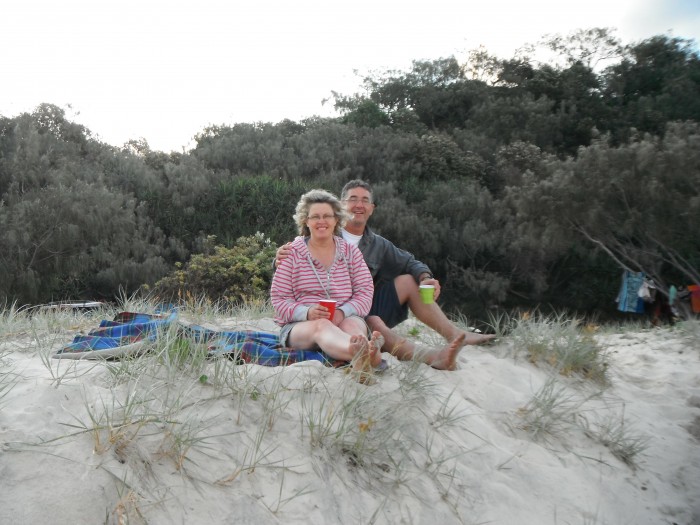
{"x":319,"y":197}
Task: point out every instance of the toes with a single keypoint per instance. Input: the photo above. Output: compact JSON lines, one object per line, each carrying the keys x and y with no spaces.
{"x":362,"y":369}
{"x":378,"y":339}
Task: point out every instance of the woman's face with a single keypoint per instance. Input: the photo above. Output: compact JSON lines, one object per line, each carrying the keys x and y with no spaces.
{"x":321,"y":220}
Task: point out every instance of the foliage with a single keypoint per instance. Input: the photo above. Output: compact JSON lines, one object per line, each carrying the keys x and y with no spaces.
{"x":641,"y":202}
{"x":589,"y":46}
{"x":656,"y":82}
{"x":367,"y":113}
{"x":66,"y":241}
{"x":521,"y":183}
{"x":252,"y":204}
{"x":239,"y":274}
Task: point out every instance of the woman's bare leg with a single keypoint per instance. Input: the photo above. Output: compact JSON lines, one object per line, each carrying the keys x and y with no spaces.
{"x":367,"y":356}
{"x":331,"y":339}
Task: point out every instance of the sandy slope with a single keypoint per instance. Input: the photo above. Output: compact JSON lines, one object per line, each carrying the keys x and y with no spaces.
{"x":419,"y":446}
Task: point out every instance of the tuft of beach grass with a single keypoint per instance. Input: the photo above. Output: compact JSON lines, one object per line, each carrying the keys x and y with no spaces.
{"x":560,"y":342}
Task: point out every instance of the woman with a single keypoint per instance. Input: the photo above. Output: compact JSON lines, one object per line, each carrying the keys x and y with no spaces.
{"x":323,"y":266}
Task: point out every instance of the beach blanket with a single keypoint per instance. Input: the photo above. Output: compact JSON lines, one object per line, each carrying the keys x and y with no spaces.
{"x":132,"y":333}
{"x":126,"y":334}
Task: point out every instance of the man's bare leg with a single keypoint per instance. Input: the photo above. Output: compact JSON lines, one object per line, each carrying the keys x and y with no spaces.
{"x":446,"y":359}
{"x":375,"y":348}
{"x":394,"y":344}
{"x":432,"y":315}
{"x":405,"y":350}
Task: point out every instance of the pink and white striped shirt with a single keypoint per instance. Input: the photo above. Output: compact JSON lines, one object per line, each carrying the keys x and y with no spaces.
{"x":301,"y":282}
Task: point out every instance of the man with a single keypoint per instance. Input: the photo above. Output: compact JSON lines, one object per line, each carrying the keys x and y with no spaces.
{"x":397,"y":275}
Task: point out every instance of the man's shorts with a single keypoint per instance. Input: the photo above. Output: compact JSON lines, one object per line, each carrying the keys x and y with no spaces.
{"x":386,"y":305}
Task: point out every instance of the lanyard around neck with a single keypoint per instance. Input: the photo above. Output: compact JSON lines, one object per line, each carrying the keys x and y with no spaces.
{"x":326,"y":287}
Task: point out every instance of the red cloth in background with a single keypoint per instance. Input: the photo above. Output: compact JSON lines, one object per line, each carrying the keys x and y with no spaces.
{"x":694,"y":290}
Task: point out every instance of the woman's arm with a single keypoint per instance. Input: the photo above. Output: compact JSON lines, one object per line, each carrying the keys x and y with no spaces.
{"x":282,"y":296}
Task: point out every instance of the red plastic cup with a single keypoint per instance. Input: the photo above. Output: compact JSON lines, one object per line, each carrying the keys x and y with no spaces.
{"x":330,"y":304}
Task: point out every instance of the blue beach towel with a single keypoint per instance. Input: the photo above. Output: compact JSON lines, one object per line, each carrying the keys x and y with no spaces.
{"x":129,"y":332}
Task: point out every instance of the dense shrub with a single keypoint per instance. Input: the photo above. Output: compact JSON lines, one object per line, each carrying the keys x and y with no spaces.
{"x":242,"y":273}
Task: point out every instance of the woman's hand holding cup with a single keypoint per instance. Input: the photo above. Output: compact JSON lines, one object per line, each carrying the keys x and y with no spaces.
{"x":329,"y":305}
{"x":324,"y":310}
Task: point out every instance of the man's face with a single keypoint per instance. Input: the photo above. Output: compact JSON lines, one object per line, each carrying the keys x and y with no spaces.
{"x":358,"y":203}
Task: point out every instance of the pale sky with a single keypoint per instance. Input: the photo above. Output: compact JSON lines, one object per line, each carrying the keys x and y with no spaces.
{"x":166,"y":69}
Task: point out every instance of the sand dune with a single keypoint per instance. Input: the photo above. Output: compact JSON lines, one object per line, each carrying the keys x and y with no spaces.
{"x":170,"y":438}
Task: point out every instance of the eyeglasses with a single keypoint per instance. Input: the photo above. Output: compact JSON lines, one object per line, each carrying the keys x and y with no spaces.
{"x":355,"y":200}
{"x":326,"y":217}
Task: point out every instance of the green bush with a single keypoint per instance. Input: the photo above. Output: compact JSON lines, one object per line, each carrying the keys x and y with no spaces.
{"x":239,"y":274}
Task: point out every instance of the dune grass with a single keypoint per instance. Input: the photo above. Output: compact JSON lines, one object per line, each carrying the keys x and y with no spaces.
{"x":8,"y":376}
{"x":558,"y":341}
{"x":614,"y":432}
{"x":152,"y":393}
{"x":176,"y":408}
{"x":572,"y":399}
{"x":175,"y":404}
{"x":551,"y":412}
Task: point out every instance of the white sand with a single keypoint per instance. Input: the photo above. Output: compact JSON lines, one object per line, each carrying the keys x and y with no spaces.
{"x":419,"y":446}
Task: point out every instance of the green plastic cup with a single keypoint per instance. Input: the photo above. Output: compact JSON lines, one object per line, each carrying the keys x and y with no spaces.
{"x":427,"y":293}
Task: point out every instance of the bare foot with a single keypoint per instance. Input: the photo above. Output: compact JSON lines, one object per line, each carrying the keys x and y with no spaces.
{"x":446,"y":359}
{"x":361,"y":360}
{"x":473,"y":338}
{"x":390,"y":341}
{"x":358,"y":344}
{"x":375,"y":352}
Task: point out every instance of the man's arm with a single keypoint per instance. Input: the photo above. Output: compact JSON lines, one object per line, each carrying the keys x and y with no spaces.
{"x":389,"y":261}
{"x":281,"y":254}
{"x":425,"y":276}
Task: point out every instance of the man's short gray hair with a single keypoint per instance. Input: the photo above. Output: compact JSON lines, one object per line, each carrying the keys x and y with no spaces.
{"x":356,"y":183}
